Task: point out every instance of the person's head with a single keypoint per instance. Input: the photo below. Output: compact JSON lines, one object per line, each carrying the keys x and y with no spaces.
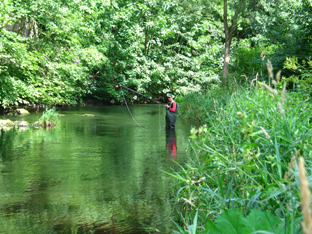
{"x":170,"y":97}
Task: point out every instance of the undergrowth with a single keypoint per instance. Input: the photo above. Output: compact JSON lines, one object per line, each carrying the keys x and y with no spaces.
{"x":242,"y":176}
{"x":202,"y":107}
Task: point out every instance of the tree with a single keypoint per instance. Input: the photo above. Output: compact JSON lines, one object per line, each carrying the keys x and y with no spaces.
{"x":242,"y":14}
{"x":229,"y":13}
{"x":60,"y":52}
{"x":229,"y":32}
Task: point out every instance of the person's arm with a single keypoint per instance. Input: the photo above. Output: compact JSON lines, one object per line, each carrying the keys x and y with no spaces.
{"x":174,"y":106}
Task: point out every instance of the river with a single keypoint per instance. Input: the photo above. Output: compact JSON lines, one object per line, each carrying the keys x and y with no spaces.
{"x":100,"y":174}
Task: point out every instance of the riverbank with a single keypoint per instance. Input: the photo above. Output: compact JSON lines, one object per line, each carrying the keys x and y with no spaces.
{"x":11,"y":109}
{"x":49,"y":118}
{"x":243,"y":164}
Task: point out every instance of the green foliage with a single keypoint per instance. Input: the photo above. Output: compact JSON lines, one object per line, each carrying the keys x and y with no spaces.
{"x":203,"y":107}
{"x":49,"y":118}
{"x":35,"y":70}
{"x":233,"y":221}
{"x":301,"y":72}
{"x":155,"y":50}
{"x":62,"y":52}
{"x":244,"y":158}
{"x":249,"y":62}
{"x":303,"y":17}
{"x":84,"y":49}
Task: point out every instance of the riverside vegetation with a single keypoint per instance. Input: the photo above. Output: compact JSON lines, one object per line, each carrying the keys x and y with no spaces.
{"x":243,"y":167}
{"x":48,"y":119}
{"x":243,"y":174}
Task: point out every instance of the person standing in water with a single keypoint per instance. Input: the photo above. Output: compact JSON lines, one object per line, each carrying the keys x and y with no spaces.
{"x":171,"y":109}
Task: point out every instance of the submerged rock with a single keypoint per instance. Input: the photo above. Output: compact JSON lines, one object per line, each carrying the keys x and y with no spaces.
{"x":6,"y":123}
{"x":22,"y":111}
{"x":23,"y":124}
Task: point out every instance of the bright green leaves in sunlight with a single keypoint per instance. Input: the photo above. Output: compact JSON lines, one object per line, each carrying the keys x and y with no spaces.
{"x":62,"y":52}
{"x":68,"y":51}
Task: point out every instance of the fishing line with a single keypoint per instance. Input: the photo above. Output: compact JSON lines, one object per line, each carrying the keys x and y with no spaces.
{"x":138,"y":93}
{"x":121,"y":86}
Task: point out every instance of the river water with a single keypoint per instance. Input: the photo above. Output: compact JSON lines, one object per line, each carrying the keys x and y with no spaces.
{"x":100,"y":174}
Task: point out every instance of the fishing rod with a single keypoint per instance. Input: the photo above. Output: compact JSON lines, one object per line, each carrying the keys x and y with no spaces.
{"x":122,"y":86}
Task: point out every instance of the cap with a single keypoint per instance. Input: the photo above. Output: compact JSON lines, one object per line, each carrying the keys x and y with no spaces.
{"x":170,"y":95}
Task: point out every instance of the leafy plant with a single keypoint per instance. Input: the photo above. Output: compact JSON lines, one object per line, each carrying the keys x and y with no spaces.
{"x":257,"y":221}
{"x":301,"y":72}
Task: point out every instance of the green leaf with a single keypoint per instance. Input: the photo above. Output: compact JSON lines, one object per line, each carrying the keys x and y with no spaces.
{"x":212,"y":228}
{"x":265,"y":221}
{"x":233,"y":221}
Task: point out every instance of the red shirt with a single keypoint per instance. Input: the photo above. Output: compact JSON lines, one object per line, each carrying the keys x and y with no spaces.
{"x":173,"y":106}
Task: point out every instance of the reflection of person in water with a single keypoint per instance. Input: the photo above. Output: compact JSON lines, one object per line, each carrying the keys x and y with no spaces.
{"x":171,"y":143}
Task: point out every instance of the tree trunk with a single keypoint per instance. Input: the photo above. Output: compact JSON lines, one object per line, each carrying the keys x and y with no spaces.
{"x":228,"y":31}
{"x":226,"y":63}
{"x":25,"y":27}
{"x":227,"y":46}
{"x":146,"y":41}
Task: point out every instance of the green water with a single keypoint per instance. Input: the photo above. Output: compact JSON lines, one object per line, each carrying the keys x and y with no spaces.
{"x":100,"y":174}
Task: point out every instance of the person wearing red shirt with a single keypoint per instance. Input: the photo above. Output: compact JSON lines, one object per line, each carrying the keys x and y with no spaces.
{"x":171,"y":109}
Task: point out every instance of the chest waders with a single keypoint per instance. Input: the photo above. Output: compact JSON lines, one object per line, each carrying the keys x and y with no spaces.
{"x":170,"y":117}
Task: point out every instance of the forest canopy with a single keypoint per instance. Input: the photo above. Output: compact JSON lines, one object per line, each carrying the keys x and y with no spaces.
{"x":58,"y":52}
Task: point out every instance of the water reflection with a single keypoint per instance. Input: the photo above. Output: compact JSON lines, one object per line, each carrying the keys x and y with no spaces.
{"x":171,"y":143}
{"x":91,"y":175}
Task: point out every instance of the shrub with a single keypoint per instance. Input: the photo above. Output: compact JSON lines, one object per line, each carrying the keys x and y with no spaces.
{"x":301,"y":72}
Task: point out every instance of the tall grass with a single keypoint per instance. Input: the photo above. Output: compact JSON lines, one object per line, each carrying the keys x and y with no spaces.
{"x":49,"y":118}
{"x":203,"y":107}
{"x":243,"y":167}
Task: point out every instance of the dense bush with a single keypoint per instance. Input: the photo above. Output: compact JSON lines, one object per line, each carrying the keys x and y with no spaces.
{"x":55,"y":52}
